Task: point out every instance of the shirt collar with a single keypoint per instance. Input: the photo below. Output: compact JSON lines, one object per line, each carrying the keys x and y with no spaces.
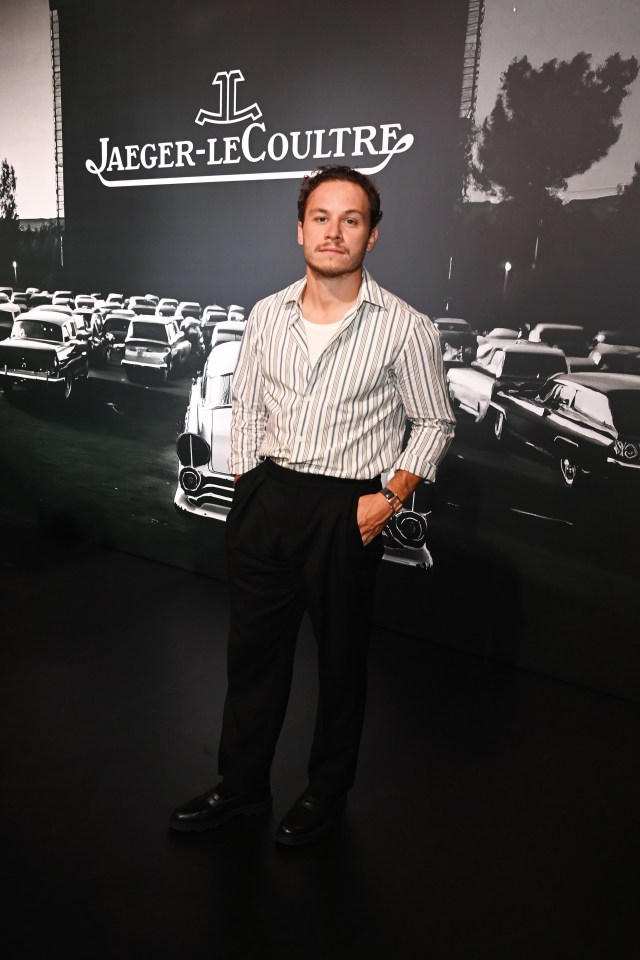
{"x":370,"y":292}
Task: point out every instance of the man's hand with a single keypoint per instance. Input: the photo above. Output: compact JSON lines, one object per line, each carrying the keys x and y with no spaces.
{"x":374,"y":512}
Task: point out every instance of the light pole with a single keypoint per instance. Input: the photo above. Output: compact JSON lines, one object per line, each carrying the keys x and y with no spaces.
{"x":15,"y":272}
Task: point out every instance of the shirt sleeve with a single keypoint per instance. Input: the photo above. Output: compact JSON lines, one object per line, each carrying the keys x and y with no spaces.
{"x":248,"y":414}
{"x":422,"y":384}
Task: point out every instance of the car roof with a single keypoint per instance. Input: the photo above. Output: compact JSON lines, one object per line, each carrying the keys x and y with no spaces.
{"x":558,"y":326}
{"x":50,"y":316}
{"x":524,"y":346}
{"x":602,"y":381}
{"x":154,"y":320}
{"x":223,"y":358}
{"x":446,"y":319}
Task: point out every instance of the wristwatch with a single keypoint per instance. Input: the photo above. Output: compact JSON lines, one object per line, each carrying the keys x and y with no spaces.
{"x":393,"y":498}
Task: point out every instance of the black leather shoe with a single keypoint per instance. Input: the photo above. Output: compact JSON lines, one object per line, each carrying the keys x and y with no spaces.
{"x":213,"y":808}
{"x":308,"y":819}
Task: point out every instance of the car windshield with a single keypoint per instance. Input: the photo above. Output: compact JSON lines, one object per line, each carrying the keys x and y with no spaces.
{"x":625,"y":406}
{"x":622,"y":339}
{"x":531,"y":366}
{"x":218,"y":391}
{"x":149,"y":331}
{"x":116,"y":323}
{"x":37,"y":330}
{"x":446,"y":325}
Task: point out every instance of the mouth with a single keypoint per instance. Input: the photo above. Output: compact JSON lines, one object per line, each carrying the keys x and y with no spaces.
{"x":331,"y":250}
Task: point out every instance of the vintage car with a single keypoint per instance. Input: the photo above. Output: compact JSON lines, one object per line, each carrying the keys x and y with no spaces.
{"x":40,"y":299}
{"x":212,"y":315}
{"x":499,"y":333}
{"x":457,"y":340}
{"x":85,"y":301}
{"x":502,"y":365}
{"x":567,"y":336}
{"x":189,"y":308}
{"x":43,"y":351}
{"x":588,"y":422}
{"x":7,"y":318}
{"x":616,"y":351}
{"x":228,"y":330}
{"x":205,"y":486}
{"x":142,"y":306}
{"x":154,"y":347}
{"x":9,"y":306}
{"x":166,"y":307}
{"x":115,"y":326}
{"x":616,"y":358}
{"x":21,"y":299}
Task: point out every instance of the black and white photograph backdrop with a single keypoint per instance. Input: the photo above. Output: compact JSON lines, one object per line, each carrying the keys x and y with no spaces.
{"x":151,"y":156}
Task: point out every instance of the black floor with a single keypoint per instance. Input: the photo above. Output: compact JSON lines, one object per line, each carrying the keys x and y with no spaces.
{"x":496,"y":814}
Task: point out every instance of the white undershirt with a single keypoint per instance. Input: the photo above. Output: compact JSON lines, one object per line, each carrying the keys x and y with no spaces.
{"x":318,"y":336}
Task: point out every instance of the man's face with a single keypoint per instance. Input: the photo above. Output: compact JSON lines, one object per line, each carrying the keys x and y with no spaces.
{"x":335,"y":233}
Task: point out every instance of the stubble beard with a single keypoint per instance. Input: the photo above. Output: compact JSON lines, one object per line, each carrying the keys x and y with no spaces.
{"x":353,"y":264}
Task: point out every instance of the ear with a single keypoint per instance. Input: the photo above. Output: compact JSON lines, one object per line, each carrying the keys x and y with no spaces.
{"x":300,"y":240}
{"x":373,"y":239}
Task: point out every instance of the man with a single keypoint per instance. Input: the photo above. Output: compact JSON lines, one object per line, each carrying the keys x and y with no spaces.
{"x":329,"y":371}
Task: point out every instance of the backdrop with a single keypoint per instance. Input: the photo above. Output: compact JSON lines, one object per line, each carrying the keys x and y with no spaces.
{"x":186,"y":130}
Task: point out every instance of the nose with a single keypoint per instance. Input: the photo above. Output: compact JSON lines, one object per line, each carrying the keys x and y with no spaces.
{"x":333,"y":228}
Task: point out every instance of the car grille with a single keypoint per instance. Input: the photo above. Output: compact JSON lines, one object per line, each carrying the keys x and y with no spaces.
{"x":216,"y":490}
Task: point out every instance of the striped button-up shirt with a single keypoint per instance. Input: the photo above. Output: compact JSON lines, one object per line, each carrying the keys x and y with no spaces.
{"x":346,"y":415}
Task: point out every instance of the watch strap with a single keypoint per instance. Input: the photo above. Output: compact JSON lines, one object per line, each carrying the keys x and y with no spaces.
{"x":393,"y":498}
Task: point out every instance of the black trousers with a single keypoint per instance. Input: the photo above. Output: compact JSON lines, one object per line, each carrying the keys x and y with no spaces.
{"x":293,"y":544}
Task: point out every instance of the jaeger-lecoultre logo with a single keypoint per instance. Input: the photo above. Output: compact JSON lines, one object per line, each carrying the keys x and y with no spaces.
{"x":254,"y":146}
{"x":227,"y":112}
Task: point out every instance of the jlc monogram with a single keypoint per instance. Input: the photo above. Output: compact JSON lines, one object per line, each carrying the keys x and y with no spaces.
{"x":227,"y":82}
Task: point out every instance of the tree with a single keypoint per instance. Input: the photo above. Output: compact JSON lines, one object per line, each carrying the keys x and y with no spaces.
{"x":549,"y":124}
{"x":9,"y":228}
{"x":8,"y":209}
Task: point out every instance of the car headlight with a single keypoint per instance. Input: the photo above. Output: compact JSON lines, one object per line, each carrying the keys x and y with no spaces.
{"x":626,"y":450}
{"x":190,"y":479}
{"x":406,"y":529}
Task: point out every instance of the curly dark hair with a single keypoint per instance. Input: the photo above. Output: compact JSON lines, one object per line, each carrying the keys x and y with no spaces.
{"x":333,"y":171}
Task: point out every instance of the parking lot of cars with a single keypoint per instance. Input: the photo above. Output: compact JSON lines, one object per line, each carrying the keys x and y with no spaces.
{"x":152,"y":339}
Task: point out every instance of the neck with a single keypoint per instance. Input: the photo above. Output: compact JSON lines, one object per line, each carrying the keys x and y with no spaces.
{"x":325,"y":298}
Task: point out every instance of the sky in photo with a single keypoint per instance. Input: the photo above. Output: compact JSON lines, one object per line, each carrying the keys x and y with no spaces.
{"x":548,"y":29}
{"x":541,"y":29}
{"x":26,"y":105}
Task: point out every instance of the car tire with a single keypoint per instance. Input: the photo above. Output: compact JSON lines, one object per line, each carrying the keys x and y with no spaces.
{"x":67,"y":387}
{"x":7,"y":388}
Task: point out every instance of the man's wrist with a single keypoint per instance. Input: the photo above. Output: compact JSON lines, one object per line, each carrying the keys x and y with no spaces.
{"x":392,"y":499}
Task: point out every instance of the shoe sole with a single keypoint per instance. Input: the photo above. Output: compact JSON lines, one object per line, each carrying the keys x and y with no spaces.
{"x":251,"y":810}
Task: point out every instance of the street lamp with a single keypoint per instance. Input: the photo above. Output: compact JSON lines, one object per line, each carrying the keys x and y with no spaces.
{"x":507,"y":268}
{"x":15,"y":272}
